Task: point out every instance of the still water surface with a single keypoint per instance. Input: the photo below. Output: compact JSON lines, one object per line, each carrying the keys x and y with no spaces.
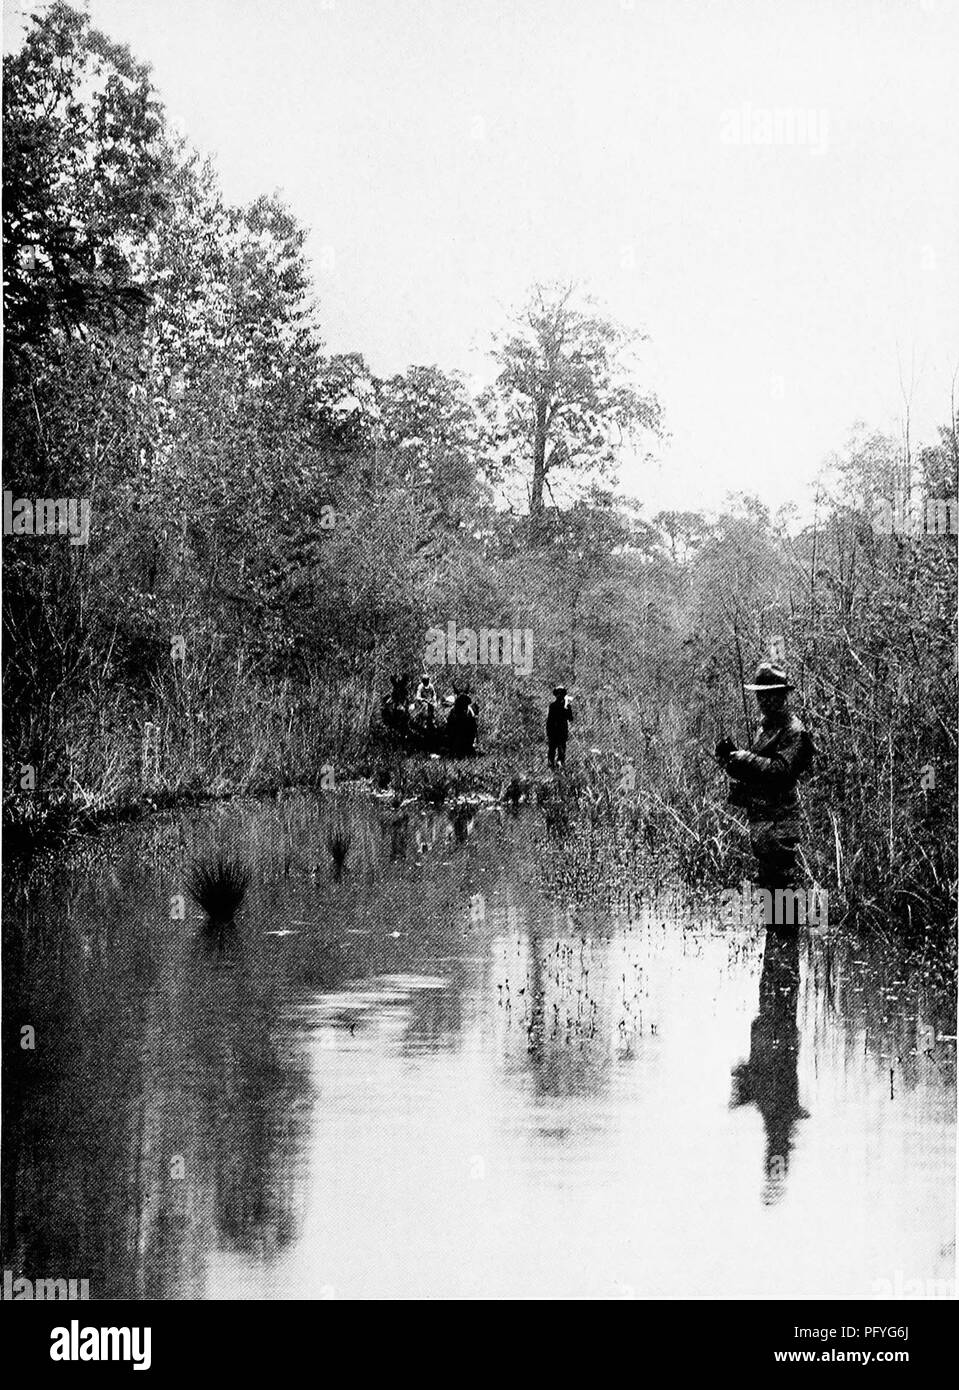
{"x":428,"y":1078}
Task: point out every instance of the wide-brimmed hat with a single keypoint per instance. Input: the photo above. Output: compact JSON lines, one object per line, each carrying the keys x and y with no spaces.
{"x":769,"y":677}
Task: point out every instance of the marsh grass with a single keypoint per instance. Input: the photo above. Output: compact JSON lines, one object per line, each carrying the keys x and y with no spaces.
{"x":95,"y":764}
{"x":218,"y":886}
{"x":338,"y":842}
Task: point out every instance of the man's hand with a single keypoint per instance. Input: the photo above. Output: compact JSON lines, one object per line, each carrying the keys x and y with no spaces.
{"x":724,"y":748}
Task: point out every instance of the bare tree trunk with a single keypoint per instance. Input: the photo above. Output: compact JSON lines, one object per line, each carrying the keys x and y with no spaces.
{"x":539,"y":461}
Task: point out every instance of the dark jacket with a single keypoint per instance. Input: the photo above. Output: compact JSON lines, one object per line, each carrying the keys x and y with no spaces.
{"x":765,"y":777}
{"x":559,"y":716}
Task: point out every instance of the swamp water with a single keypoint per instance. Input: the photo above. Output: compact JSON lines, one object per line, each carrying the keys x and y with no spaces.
{"x":425,"y":1077}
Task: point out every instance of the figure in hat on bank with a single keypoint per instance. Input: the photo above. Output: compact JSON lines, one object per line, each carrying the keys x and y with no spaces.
{"x":426,"y":699}
{"x":559,"y":716}
{"x":764,"y":779}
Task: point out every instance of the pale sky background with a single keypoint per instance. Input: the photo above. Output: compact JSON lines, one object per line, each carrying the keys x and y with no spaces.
{"x":446,"y":153}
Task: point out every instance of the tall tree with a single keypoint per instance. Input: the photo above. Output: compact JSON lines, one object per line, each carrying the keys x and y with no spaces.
{"x":565,"y":396}
{"x":686,"y":532}
{"x":81,"y":158}
{"x":429,"y":422}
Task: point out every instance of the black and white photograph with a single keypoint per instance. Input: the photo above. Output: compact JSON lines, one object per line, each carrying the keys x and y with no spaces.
{"x":479,"y":585}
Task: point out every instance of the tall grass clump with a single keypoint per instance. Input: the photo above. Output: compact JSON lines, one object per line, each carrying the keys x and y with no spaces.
{"x":338,"y":842}
{"x":218,"y":886}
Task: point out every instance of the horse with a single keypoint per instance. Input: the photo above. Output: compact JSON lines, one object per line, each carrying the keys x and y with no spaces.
{"x":455,"y":737}
{"x":396,"y":705}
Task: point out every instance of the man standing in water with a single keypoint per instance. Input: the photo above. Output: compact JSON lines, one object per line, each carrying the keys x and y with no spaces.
{"x":764,"y":781}
{"x":559,"y":716}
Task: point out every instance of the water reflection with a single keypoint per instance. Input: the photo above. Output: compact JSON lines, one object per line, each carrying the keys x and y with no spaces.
{"x":414,"y":1073}
{"x":770,"y":1079}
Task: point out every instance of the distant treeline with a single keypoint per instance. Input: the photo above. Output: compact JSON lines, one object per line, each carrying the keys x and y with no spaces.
{"x":273,"y":530}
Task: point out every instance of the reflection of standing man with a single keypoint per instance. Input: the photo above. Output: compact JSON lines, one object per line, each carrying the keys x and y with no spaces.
{"x":765,"y":777}
{"x":769,"y":1080}
{"x":559,"y":716}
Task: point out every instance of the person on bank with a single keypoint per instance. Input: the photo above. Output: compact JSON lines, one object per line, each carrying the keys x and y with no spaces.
{"x":559,"y":716}
{"x":426,"y":699}
{"x":764,"y":780}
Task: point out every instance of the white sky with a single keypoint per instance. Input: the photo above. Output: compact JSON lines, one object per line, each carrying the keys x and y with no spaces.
{"x":446,"y":153}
